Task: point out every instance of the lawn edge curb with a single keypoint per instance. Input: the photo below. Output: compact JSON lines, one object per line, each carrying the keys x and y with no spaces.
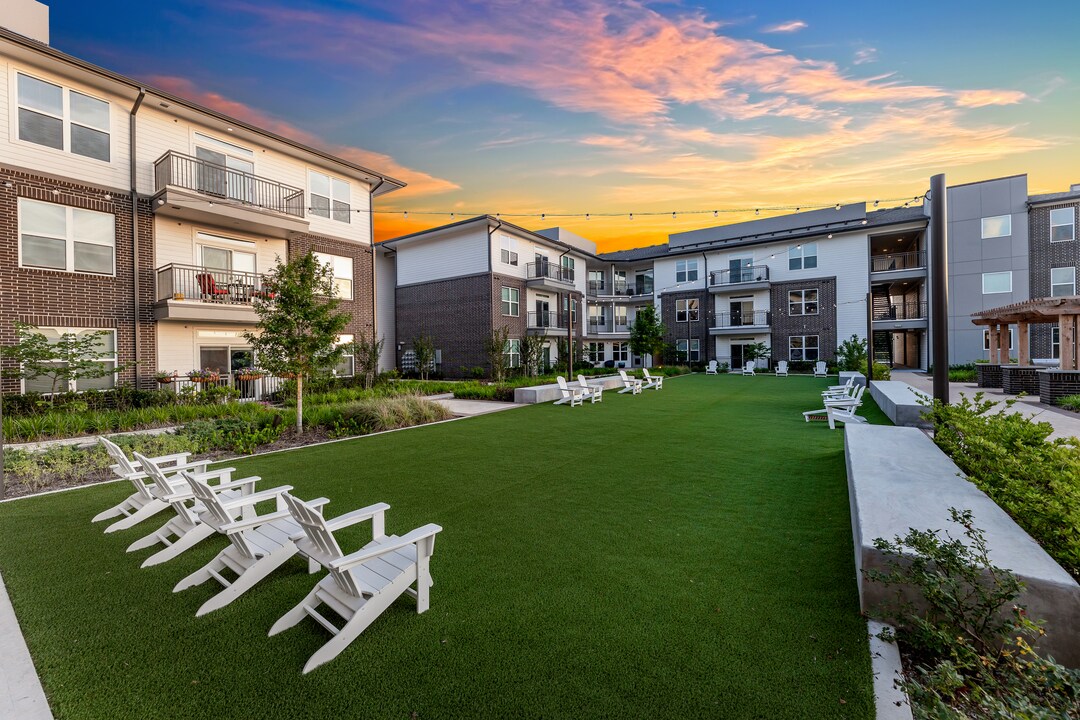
{"x":890,"y":700}
{"x":21,"y":693}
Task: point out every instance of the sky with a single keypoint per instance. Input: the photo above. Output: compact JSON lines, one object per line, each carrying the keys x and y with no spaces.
{"x":568,"y":107}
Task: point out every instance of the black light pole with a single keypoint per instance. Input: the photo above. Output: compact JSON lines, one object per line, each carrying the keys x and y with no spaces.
{"x":939,"y":285}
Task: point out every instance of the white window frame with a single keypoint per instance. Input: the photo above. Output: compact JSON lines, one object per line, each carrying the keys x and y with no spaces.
{"x":686,"y":271}
{"x":64,"y":117}
{"x":346,"y":214}
{"x":512,"y":352}
{"x":73,"y":384}
{"x":816,"y":348}
{"x":620,"y":352}
{"x":1007,"y":226}
{"x":68,"y":238}
{"x":986,"y":338}
{"x":1071,"y":224}
{"x":803,"y":257}
{"x":1055,"y":343}
{"x":345,"y":340}
{"x":511,"y":301}
{"x":692,"y":352}
{"x":985,"y":275}
{"x":1071,"y":284}
{"x":803,"y":302}
{"x":508,"y":254}
{"x":330,"y":259}
{"x":684,"y":312}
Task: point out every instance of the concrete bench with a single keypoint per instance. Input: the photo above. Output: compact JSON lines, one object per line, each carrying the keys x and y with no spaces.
{"x":860,"y":379}
{"x":551,"y":393}
{"x":898,"y":479}
{"x":899,"y":402}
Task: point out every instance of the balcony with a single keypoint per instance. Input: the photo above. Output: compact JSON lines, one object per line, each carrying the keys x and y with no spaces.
{"x":605,"y":327}
{"x":623,"y":289}
{"x":546,"y":323}
{"x":901,"y":315}
{"x":204,"y":192}
{"x":741,"y":322}
{"x":190,"y":292}
{"x":246,"y":387}
{"x":752,"y":277}
{"x":898,"y":266}
{"x":549,"y":275}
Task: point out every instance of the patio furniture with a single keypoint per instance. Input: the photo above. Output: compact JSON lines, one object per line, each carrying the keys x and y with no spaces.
{"x":630,"y":385}
{"x":187,"y":529}
{"x":142,"y":503}
{"x":748,"y":369}
{"x":781,"y":368}
{"x":820,"y":370}
{"x":842,"y":403}
{"x":361,"y":585}
{"x":843,"y":415}
{"x":594,"y":393}
{"x":712,"y":368}
{"x":208,"y":287}
{"x":652,"y":382}
{"x":572,"y":395}
{"x":840,"y":391}
{"x":257,"y":545}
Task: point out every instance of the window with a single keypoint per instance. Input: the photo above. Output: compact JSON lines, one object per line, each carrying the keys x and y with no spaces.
{"x":596,"y":280}
{"x":803,"y":347}
{"x":573,"y":309}
{"x":643,"y":283}
{"x":508,"y":254}
{"x":986,"y":338}
{"x":997,"y":282}
{"x":567,"y":268}
{"x":620,"y":352}
{"x":596,"y":352}
{"x":689,"y":350}
{"x":235,"y":180}
{"x":63,"y":119}
{"x":802,"y":257}
{"x":686,"y":310}
{"x":512,"y":353}
{"x":803,"y":302}
{"x":620,"y":318}
{"x":330,"y":197}
{"x":1062,"y":281}
{"x":685,"y":271}
{"x":346,"y":367}
{"x":342,"y":268}
{"x":1062,"y":224}
{"x":510,"y":304}
{"x":59,"y":237}
{"x":1055,"y":343}
{"x":997,"y":226}
{"x":220,"y":253}
{"x":105,"y":354}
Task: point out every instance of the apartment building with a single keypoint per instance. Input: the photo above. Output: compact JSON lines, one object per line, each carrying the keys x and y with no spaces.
{"x":1053,"y":230}
{"x":130,"y":210}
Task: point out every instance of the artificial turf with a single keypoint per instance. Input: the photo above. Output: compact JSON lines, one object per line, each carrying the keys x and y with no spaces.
{"x":683,"y":553}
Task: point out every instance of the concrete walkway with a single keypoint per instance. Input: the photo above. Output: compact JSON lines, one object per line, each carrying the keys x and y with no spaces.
{"x":1066,"y":423}
{"x":21,"y":695}
{"x":468,"y":408}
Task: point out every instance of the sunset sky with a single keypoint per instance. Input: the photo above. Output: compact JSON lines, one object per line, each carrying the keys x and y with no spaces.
{"x":575,"y":106}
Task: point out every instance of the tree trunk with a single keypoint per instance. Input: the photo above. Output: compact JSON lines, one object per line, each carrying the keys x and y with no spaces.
{"x":299,"y":402}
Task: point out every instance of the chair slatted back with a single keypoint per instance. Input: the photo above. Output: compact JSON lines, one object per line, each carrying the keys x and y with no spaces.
{"x":320,"y":545}
{"x":584,"y":384}
{"x":127,"y":469}
{"x":820,"y":368}
{"x":156,"y":474}
{"x":782,"y":366}
{"x":749,"y":366}
{"x":217,"y":515}
{"x":563,"y":386}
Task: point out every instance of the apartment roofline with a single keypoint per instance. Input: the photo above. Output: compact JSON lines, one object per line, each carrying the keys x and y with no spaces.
{"x":1052,"y":198}
{"x":987,"y":180}
{"x":53,"y":53}
{"x":491,"y":221}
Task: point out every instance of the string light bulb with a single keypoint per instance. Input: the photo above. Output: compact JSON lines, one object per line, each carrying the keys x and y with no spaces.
{"x":55,"y":191}
{"x":757,"y":212}
{"x":672,"y":215}
{"x":715,"y":213}
{"x":108,"y":197}
{"x":631,"y":216}
{"x":406,"y":214}
{"x":586,"y":216}
{"x":876,"y":203}
{"x":543,"y":215}
{"x":837,"y":206}
{"x":830,"y":236}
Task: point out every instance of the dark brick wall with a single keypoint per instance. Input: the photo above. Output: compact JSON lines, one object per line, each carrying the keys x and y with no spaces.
{"x":1056,"y":384}
{"x":51,"y":298}
{"x":1045,"y":255}
{"x":694,"y":329}
{"x":360,"y":307}
{"x":987,"y":375}
{"x":823,"y":324}
{"x":1016,"y":380}
{"x":455,"y":313}
{"x":516,"y":324}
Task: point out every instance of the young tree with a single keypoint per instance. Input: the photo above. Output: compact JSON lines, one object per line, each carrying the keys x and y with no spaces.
{"x":299,"y":323}
{"x":647,"y":332}
{"x":367,"y":352}
{"x":495,"y":347}
{"x":851,"y":355}
{"x":424,"y":352}
{"x":69,"y":358}
{"x":532,"y":350}
{"x":753,"y":351}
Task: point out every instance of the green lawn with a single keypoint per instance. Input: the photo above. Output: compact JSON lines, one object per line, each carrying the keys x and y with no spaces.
{"x":684,"y":553}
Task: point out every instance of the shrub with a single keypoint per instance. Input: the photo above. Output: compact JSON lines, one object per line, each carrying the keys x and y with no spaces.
{"x":882,"y":371}
{"x":851,"y":355}
{"x":1070,"y":402}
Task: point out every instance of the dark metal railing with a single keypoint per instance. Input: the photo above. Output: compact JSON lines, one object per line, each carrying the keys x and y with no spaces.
{"x":606,"y":326}
{"x":546,"y":320}
{"x":191,"y":282}
{"x":550,"y":270}
{"x":597,"y":287}
{"x":618,"y":288}
{"x":897,"y":261}
{"x":742,"y":319}
{"x":218,"y":181}
{"x":902,"y":311}
{"x":751,"y":273}
{"x":248,"y":387}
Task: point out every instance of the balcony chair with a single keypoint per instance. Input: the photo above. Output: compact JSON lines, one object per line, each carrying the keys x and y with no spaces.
{"x":142,"y":503}
{"x":630,"y":385}
{"x":361,"y":585}
{"x":208,"y":287}
{"x":712,"y":368}
{"x":570,"y":394}
{"x":593,"y":393}
{"x":820,"y":369}
{"x":781,"y":368}
{"x":652,"y":382}
{"x":748,"y":368}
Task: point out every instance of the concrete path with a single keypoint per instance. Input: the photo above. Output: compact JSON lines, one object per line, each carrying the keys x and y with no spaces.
{"x":21,"y":695}
{"x":1066,"y":423}
{"x":468,"y":408}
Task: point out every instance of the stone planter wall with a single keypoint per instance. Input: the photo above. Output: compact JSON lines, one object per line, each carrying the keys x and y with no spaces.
{"x":988,"y":376}
{"x":1016,"y":379}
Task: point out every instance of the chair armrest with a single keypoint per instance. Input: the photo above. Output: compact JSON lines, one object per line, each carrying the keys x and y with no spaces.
{"x":222,"y":473}
{"x":255,"y":498}
{"x":248,"y":482}
{"x":362,"y":556}
{"x":240,"y":525}
{"x":178,"y":458}
{"x":356,"y":516}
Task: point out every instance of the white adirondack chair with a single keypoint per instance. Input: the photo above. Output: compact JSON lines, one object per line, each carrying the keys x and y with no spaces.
{"x":257,"y":545}
{"x":652,"y":381}
{"x":142,"y":503}
{"x":819,"y":369}
{"x":593,"y":393}
{"x":840,"y":391}
{"x":630,"y":385}
{"x":570,"y":394}
{"x":712,"y":368}
{"x":838,"y":414}
{"x":842,"y":403}
{"x":187,"y":530}
{"x":781,"y":368}
{"x":748,"y":369}
{"x":361,"y":585}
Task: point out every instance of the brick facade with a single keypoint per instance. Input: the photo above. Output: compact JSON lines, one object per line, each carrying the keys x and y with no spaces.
{"x":361,"y":308}
{"x":456,"y":314}
{"x":691,"y":329}
{"x":1045,"y":255}
{"x":785,"y":325}
{"x":53,"y":298}
{"x":498,"y":320}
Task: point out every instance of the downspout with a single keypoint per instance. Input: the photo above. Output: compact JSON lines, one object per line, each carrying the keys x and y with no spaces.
{"x":712,"y":304}
{"x":374,"y":279}
{"x":569,"y":324}
{"x":135,"y":226}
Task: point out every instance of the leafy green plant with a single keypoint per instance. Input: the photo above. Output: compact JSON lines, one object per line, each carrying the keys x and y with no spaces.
{"x":647,"y":333}
{"x":495,"y":349}
{"x":1070,"y":402}
{"x":851,"y":354}
{"x":424,"y":351}
{"x":63,"y":360}
{"x":882,"y":371}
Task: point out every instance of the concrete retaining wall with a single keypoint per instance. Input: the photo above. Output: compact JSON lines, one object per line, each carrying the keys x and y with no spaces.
{"x":899,"y":402}
{"x":551,"y":393}
{"x":898,"y":479}
{"x":860,"y":379}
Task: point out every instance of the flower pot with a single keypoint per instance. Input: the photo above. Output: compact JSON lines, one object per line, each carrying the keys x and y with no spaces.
{"x":178,"y":296}
{"x":249,"y":377}
{"x":166,"y":381}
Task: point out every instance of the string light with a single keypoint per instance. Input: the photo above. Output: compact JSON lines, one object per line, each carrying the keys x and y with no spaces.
{"x":406,"y":214}
{"x":631,"y":216}
{"x":837,"y":206}
{"x":672,"y":216}
{"x":586,"y":216}
{"x":714,"y":213}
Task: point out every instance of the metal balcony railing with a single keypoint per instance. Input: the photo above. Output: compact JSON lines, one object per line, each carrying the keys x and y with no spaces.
{"x":749,"y":274}
{"x":743,"y":319}
{"x":606,"y":326}
{"x":549,"y":270}
{"x":191,"y":282}
{"x":901,"y":311}
{"x":897,"y":261}
{"x":218,"y":181}
{"x":248,"y":387}
{"x":543,"y":320}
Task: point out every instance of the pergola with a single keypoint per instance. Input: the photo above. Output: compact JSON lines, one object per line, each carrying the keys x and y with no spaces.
{"x":1062,"y":310}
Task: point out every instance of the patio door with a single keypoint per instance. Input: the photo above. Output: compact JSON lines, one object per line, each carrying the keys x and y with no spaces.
{"x":737,"y":356}
{"x":542,"y":310}
{"x":740,"y":269}
{"x":227,"y":360}
{"x":742,"y":312}
{"x":227,"y":169}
